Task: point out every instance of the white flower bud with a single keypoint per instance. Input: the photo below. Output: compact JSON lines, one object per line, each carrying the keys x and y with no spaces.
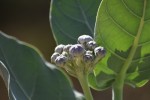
{"x":54,"y":56}
{"x":76,"y":50}
{"x":59,"y":48}
{"x":91,"y":45}
{"x":84,"y":39}
{"x":99,"y":52}
{"x":61,"y":60}
{"x":89,"y":52}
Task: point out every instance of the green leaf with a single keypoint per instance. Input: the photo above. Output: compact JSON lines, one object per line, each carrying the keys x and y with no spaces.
{"x":28,"y":76}
{"x":72,"y":18}
{"x":101,"y":82}
{"x":122,"y":27}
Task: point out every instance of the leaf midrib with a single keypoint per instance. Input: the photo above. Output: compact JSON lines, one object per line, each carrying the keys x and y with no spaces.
{"x":135,"y":43}
{"x":85,"y":17}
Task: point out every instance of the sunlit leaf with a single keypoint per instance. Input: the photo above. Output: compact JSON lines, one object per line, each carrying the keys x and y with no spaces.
{"x":122,"y":27}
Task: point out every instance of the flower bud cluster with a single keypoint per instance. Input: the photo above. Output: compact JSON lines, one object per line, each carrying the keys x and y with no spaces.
{"x":78,"y":57}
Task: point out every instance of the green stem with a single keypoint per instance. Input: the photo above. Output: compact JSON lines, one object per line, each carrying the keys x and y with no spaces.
{"x":119,"y":82}
{"x":117,"y":88}
{"x":117,"y":93}
{"x":83,"y":79}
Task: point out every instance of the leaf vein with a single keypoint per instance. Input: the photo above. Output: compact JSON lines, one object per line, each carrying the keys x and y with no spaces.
{"x":115,"y":22}
{"x":147,"y":20}
{"x":71,"y":17}
{"x":85,"y":18}
{"x":144,"y":43}
{"x":130,"y":10}
{"x":65,"y":33}
{"x":145,"y":57}
{"x":111,"y":51}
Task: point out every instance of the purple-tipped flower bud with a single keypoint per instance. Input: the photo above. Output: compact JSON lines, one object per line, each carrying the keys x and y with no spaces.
{"x":54,"y":56}
{"x":76,"y":50}
{"x":91,"y":45}
{"x":59,"y":48}
{"x":67,"y":47}
{"x":61,"y":60}
{"x":84,"y":39}
{"x":88,"y":58}
{"x":99,"y":52}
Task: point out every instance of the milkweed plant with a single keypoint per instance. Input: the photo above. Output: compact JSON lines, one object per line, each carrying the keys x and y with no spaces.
{"x":103,"y":43}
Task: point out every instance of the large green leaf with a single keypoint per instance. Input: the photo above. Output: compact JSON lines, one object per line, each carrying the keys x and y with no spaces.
{"x":122,"y":27}
{"x":28,"y":76}
{"x":72,"y":18}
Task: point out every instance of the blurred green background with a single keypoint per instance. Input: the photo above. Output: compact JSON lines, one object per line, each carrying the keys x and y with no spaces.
{"x":28,"y":20}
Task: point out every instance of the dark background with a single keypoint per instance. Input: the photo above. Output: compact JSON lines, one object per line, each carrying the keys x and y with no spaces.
{"x":28,"y":20}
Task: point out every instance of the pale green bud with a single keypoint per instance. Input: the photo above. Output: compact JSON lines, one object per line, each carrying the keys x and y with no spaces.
{"x":67,"y":47}
{"x":88,"y":58}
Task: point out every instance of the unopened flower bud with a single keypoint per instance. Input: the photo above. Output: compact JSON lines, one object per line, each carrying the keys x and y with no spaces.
{"x":88,"y":58}
{"x":67,"y":47}
{"x":61,"y":60}
{"x":91,"y":45}
{"x":76,"y":50}
{"x":64,"y":54}
{"x":54,"y":56}
{"x":89,"y":52}
{"x":59,"y":48}
{"x":99,"y":52}
{"x":84,"y":39}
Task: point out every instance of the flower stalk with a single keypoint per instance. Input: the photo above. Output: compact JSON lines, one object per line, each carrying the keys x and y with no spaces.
{"x":83,"y":80}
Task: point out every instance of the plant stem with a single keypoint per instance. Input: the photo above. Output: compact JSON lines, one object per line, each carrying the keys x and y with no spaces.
{"x":117,"y":94}
{"x":83,"y":79}
{"x":119,"y":82}
{"x":117,"y":91}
